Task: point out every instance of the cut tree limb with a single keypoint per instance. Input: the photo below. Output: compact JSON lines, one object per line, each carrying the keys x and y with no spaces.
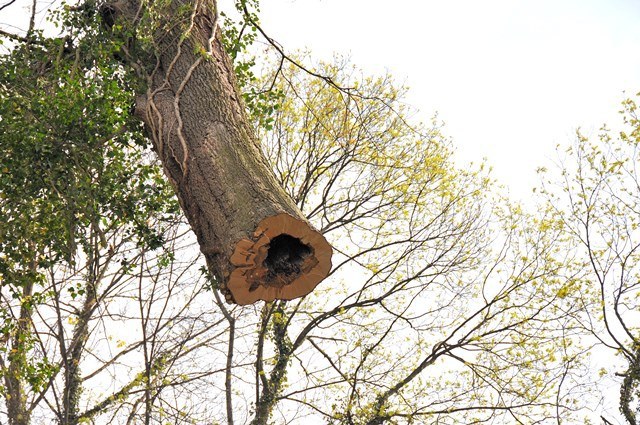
{"x":286,"y":259}
{"x":256,"y":241}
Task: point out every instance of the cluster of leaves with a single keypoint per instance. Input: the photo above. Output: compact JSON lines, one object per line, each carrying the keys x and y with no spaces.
{"x":72,"y":162}
{"x":354,"y":163}
{"x":238,"y":36}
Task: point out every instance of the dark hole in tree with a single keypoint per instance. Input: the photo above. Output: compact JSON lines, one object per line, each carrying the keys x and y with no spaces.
{"x":286,"y":256}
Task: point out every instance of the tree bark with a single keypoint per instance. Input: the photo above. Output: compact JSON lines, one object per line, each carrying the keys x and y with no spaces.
{"x":196,"y":118}
{"x":630,"y":388}
{"x":72,"y":373}
{"x":18,"y":412}
{"x":16,"y":398}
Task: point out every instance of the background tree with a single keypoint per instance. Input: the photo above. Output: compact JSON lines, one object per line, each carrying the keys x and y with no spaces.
{"x":435,"y":272}
{"x":598,"y":199}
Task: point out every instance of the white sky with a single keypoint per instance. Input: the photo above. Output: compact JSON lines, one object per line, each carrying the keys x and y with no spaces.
{"x":510,"y":78}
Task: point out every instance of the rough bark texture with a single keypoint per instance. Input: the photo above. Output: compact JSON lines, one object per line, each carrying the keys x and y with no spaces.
{"x":630,"y":388}
{"x":16,"y":398}
{"x":197,"y":120}
{"x":75,"y":350}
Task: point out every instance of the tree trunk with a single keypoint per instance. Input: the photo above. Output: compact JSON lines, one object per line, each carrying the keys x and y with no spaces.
{"x":257,"y":243}
{"x":72,"y":375}
{"x":16,"y":397}
{"x":630,"y":388}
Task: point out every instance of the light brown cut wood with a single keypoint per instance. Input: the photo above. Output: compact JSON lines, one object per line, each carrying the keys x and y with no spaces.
{"x":285,"y":259}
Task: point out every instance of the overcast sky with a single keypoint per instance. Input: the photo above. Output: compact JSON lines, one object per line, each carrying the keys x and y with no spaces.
{"x":510,"y":78}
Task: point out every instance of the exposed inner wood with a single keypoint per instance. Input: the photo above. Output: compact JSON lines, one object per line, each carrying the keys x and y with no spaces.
{"x":286,"y":259}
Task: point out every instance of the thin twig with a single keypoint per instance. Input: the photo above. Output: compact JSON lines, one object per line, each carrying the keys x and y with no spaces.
{"x":4,"y":6}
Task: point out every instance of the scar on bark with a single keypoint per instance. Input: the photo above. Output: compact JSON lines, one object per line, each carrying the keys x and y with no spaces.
{"x":285,"y":259}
